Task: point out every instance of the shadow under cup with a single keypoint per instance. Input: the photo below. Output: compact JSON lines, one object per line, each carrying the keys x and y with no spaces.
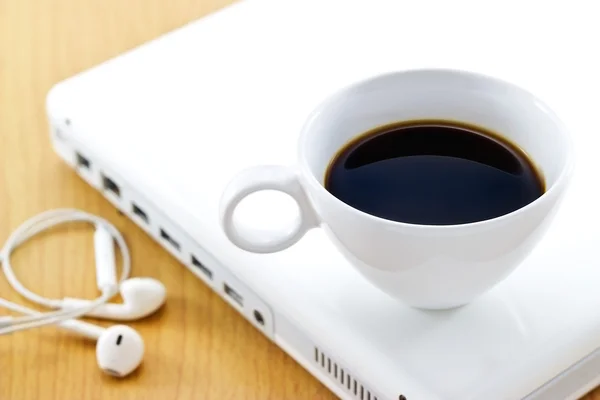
{"x":431,"y":266}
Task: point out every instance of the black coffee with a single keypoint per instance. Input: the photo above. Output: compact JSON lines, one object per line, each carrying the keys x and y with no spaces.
{"x":433,"y":173}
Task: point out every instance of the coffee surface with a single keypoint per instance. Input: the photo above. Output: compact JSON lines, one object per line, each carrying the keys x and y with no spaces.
{"x":433,"y":173}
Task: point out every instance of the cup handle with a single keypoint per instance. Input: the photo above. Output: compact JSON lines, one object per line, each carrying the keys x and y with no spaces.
{"x":266,"y":177}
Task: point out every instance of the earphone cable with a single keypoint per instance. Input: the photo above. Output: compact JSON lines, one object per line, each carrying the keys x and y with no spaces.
{"x":44,"y":319}
{"x":38,"y":224}
{"x":55,"y":316}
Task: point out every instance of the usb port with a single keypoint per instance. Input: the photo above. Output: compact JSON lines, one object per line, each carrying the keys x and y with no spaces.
{"x":202,"y":268}
{"x":169,"y":239}
{"x":82,"y":161}
{"x":139,"y":212}
{"x":235,"y":296}
{"x":110,"y":185}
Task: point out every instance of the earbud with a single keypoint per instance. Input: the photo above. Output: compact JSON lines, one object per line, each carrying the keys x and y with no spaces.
{"x":141,"y":297}
{"x":119,"y":348}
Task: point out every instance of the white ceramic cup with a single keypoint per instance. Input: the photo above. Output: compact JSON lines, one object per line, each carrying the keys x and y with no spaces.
{"x":425,"y":266}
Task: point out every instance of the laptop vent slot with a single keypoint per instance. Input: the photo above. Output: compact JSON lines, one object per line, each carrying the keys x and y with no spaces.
{"x":342,"y":376}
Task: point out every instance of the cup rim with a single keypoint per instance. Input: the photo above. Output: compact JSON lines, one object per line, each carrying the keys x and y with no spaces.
{"x":561,"y":180}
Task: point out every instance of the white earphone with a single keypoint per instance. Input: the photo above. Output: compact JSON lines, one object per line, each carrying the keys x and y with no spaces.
{"x":119,"y":348}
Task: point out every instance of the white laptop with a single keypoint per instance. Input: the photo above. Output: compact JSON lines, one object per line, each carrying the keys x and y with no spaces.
{"x":161,"y":130}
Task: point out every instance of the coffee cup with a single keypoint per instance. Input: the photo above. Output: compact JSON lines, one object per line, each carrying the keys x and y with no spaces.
{"x":423,"y":266}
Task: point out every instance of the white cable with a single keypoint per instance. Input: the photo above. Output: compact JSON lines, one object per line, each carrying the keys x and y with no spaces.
{"x":42,"y":319}
{"x":28,"y":229}
{"x":38,"y":224}
{"x":37,"y":319}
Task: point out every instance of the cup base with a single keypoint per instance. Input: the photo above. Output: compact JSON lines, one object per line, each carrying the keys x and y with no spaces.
{"x":402,"y":285}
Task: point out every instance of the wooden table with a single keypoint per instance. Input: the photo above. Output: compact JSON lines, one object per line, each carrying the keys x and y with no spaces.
{"x":197,"y":346}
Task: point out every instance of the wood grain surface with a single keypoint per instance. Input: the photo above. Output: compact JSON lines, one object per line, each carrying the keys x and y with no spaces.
{"x":197,"y":346}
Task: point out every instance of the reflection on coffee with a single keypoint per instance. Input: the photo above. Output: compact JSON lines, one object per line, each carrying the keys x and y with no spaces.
{"x":433,"y":173}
